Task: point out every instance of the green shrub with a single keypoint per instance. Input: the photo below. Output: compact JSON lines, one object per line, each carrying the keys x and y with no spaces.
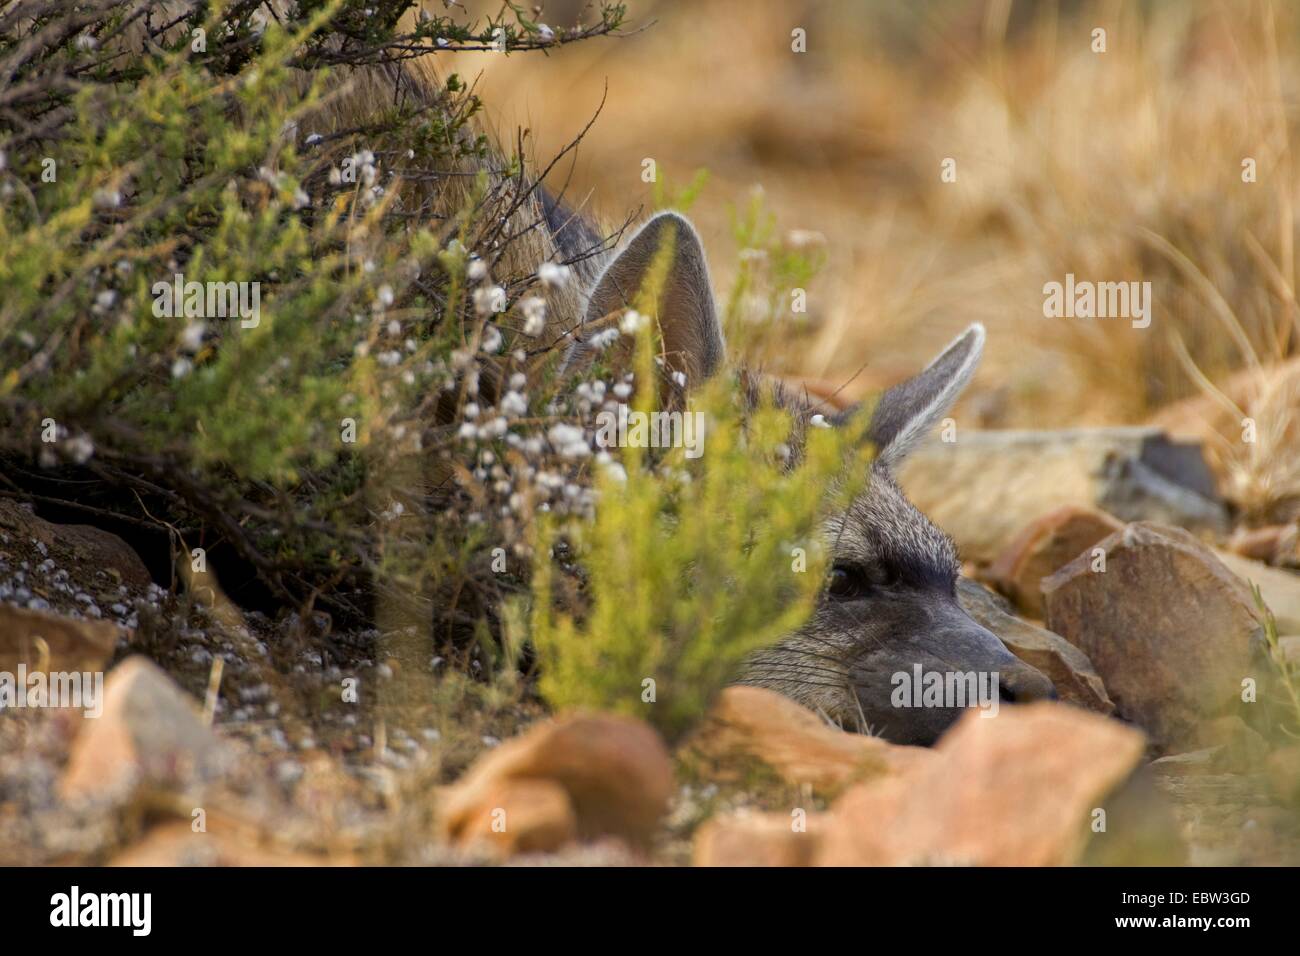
{"x":302,"y":440}
{"x":691,"y":565}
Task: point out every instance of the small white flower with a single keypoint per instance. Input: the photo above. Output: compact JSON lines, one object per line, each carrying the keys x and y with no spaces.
{"x":553,"y":274}
{"x":182,"y":367}
{"x":568,"y":441}
{"x":632,"y":322}
{"x":534,"y":309}
{"x":819,"y":421}
{"x":489,"y":299}
{"x":79,"y":449}
{"x":514,"y":404}
{"x":192,"y":336}
{"x":804,"y":238}
{"x":491,"y":340}
{"x":545,"y":33}
{"x":477,"y":270}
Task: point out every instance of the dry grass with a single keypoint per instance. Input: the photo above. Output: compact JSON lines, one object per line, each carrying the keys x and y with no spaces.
{"x":1119,"y":166}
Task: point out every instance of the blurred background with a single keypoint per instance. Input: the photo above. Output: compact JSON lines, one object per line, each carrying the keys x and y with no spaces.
{"x":1123,"y":165}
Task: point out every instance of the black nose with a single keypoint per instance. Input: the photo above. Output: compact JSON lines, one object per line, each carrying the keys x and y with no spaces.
{"x":1024,"y":686}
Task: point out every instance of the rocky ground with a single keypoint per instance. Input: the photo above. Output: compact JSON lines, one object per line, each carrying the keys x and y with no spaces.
{"x":230,"y":738}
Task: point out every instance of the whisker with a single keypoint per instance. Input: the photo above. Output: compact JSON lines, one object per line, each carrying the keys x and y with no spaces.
{"x":800,"y":666}
{"x":796,"y":679}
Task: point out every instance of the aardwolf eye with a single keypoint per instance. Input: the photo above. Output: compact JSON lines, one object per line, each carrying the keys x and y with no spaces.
{"x":848,"y":582}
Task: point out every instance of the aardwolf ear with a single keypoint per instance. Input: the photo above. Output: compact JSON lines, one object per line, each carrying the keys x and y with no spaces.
{"x":688,"y":319}
{"x":906,"y":412}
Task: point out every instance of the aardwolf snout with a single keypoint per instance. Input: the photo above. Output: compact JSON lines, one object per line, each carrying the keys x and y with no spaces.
{"x":1025,"y":684}
{"x":920,"y":661}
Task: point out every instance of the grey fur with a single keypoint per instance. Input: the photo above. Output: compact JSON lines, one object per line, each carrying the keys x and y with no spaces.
{"x":907,"y":412}
{"x":575,"y":237}
{"x":688,"y":321}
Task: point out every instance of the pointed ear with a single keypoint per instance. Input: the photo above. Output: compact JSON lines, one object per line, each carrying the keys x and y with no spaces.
{"x":907,"y":412}
{"x":688,"y":319}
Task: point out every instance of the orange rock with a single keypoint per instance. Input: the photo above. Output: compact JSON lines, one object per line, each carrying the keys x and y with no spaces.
{"x":796,"y":743}
{"x":1075,"y":679}
{"x":73,"y":545}
{"x":149,"y":736}
{"x":1287,"y":554}
{"x":176,"y":844}
{"x":1018,"y":789}
{"x":615,"y":771}
{"x":517,"y":816}
{"x":1043,"y":547}
{"x":1283,"y":774}
{"x":71,"y":644}
{"x":1167,"y":625}
{"x":1289,"y":646}
{"x":756,"y":839}
{"x":1258,"y":544}
{"x":1279,"y":588}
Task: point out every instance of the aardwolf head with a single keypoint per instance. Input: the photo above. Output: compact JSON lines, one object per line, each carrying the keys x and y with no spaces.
{"x":889,"y":613}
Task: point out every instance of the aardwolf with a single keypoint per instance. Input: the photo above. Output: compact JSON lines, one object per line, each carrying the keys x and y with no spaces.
{"x":890,"y":605}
